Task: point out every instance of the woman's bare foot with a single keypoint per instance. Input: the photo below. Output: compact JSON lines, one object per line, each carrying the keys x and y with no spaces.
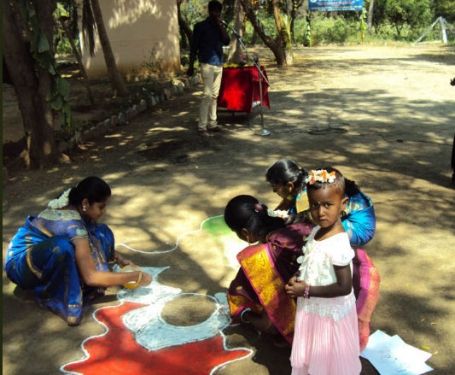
{"x":260,"y":321}
{"x":279,"y":341}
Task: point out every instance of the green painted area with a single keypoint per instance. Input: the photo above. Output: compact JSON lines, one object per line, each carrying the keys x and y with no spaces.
{"x":216,"y":226}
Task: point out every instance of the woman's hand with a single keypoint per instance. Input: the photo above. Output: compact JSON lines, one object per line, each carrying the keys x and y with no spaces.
{"x":146,"y":279}
{"x":295,"y":287}
{"x":121,"y":261}
{"x":92,"y":277}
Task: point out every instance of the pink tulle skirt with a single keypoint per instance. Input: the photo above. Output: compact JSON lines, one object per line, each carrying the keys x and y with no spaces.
{"x":324,"y":346}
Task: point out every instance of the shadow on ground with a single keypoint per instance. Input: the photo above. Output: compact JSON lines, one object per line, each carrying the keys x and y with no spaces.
{"x":371,"y":116}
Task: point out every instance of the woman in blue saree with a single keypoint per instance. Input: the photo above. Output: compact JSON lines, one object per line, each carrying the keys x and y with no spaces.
{"x":63,"y":253}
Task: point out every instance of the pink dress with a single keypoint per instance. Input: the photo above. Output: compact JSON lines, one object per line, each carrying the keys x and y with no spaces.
{"x":326,"y":337}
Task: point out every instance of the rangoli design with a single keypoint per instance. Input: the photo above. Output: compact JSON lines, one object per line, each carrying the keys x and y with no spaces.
{"x":138,"y":341}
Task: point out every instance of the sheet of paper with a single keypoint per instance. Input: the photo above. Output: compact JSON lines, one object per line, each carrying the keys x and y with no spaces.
{"x":390,"y":355}
{"x":403,"y":348}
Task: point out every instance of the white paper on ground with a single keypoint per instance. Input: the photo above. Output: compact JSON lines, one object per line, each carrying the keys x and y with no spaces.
{"x":390,"y":355}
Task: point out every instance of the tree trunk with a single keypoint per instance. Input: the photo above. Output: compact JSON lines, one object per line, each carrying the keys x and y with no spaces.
{"x":370,"y":15}
{"x":254,"y":38}
{"x":277,"y":16}
{"x":44,"y":10}
{"x":293,"y":15}
{"x":36,"y":113}
{"x":236,"y":55}
{"x":275,"y":45}
{"x":114,"y":75}
{"x":295,"y":5}
{"x":283,"y":39}
{"x":184,"y":27}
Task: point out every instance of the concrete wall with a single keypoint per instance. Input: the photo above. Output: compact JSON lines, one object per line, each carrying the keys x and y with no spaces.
{"x":143,"y":33}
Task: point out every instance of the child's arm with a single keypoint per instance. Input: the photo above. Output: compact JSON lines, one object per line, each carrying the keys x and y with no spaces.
{"x":343,"y":286}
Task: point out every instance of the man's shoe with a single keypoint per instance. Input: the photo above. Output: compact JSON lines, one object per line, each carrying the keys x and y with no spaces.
{"x":204,"y":133}
{"x":214,"y":129}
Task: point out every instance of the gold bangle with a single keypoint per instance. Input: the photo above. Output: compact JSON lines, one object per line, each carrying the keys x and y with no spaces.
{"x":139,"y":278}
{"x":134,"y":284}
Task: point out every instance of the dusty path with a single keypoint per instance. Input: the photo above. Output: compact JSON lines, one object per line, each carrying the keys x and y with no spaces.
{"x":384,"y":116}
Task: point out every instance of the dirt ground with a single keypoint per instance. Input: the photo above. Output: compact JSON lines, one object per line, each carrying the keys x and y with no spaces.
{"x":384,"y":115}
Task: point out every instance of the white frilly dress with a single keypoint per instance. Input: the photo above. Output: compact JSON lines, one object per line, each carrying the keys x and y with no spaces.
{"x":326,"y":338}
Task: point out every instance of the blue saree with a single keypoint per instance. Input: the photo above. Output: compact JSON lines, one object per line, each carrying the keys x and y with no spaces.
{"x":360,"y":219}
{"x":47,"y":265}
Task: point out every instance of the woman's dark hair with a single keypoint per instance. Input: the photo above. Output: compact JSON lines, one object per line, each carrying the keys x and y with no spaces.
{"x":351,"y":187}
{"x":284,"y":171}
{"x":245,"y":211}
{"x":92,"y":188}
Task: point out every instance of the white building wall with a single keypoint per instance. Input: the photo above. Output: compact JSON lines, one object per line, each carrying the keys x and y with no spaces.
{"x":143,"y":33}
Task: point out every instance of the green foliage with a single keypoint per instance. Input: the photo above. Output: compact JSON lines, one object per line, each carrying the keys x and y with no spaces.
{"x":363,"y":25}
{"x":392,"y":20}
{"x":408,"y":12}
{"x":248,"y":34}
{"x":307,"y":35}
{"x":444,"y":8}
{"x":62,"y":45}
{"x":331,"y":30}
{"x":194,"y":11}
{"x":268,"y":23}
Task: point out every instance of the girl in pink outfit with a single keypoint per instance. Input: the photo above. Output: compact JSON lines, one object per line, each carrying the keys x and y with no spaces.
{"x":326,"y":338}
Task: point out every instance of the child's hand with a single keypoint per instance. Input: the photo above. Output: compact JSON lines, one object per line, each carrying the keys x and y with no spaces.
{"x":295,"y":287}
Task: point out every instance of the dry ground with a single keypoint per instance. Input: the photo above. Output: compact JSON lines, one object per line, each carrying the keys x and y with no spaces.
{"x":385,"y":116}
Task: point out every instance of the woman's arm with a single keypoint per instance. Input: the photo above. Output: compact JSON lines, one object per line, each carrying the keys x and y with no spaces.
{"x":92,"y":277}
{"x":285,"y":205}
{"x":343,"y":286}
{"x":121,"y":261}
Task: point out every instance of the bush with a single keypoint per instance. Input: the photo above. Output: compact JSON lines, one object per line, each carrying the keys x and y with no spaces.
{"x":332,"y":30}
{"x":268,"y":24}
{"x":344,"y":29}
{"x":388,"y":31}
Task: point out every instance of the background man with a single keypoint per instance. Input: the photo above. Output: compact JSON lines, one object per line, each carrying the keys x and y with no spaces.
{"x":209,"y":36}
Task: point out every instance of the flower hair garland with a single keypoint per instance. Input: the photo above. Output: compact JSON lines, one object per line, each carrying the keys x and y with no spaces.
{"x":282,"y":214}
{"x":61,"y":201}
{"x":320,"y":175}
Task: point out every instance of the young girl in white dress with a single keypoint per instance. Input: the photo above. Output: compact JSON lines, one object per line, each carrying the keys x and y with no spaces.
{"x":326,"y":339}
